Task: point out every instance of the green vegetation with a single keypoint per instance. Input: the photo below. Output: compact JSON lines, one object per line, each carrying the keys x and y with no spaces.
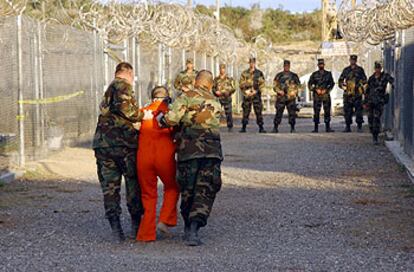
{"x":276,"y":25}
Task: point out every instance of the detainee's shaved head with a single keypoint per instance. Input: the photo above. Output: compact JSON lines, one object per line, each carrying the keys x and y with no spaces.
{"x":205,"y":79}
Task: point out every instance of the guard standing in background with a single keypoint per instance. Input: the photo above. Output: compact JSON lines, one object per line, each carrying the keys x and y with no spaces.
{"x":320,"y":84}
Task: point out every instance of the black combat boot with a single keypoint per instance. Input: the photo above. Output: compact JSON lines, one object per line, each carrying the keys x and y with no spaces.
{"x":243,"y":129}
{"x":375,"y":138}
{"x":230,"y":129}
{"x":261,"y":129}
{"x":135,"y":222}
{"x":117,"y":232}
{"x":292,"y":128}
{"x":360,"y":128}
{"x":193,"y":239}
{"x":275,"y":129}
{"x":347,"y":129}
{"x":316,"y":129}
{"x":328,"y":128}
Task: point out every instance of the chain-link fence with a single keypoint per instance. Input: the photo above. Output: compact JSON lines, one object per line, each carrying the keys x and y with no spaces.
{"x":399,"y":113}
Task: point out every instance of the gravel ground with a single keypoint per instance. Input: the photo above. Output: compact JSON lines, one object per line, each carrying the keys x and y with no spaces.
{"x":290,"y":202}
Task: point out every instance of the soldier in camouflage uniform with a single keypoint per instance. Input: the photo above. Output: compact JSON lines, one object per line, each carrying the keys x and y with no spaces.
{"x":251,"y":83}
{"x":184,"y":81}
{"x":376,"y":97}
{"x":224,"y":88}
{"x":199,"y":154}
{"x":115,"y":144}
{"x":286,"y":84}
{"x":320,"y":84}
{"x":353,"y":81}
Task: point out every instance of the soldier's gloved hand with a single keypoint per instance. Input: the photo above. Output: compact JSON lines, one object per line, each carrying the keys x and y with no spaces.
{"x":162,"y":123}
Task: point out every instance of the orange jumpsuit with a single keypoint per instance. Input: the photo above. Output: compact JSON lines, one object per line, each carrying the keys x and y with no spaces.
{"x":156,"y":158}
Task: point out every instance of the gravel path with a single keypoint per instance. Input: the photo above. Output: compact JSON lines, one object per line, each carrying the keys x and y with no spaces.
{"x":290,"y":202}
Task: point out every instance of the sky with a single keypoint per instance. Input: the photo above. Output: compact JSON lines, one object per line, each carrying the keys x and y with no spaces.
{"x":292,"y":5}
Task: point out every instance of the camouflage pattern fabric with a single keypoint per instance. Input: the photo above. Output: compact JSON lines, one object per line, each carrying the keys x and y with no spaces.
{"x":226,"y":86}
{"x":318,"y":102}
{"x":289,"y":84}
{"x":376,"y":98}
{"x":113,"y":163}
{"x":199,"y":181}
{"x":320,"y":84}
{"x":251,"y":86}
{"x":185,"y":79}
{"x":197,"y":114}
{"x":353,"y":81}
{"x":257,"y":104}
{"x":118,"y":113}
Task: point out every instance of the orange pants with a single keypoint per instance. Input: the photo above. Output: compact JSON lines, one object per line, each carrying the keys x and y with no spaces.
{"x":156,"y":158}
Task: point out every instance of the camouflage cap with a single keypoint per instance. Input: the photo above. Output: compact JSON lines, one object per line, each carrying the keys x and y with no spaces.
{"x":222,"y":65}
{"x":189,"y":60}
{"x":378,"y":65}
{"x":321,"y":61}
{"x":353,"y":57}
{"x":286,"y":62}
{"x":252,"y":60}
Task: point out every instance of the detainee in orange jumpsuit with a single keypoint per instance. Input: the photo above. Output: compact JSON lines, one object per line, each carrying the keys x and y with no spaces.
{"x":156,"y":158}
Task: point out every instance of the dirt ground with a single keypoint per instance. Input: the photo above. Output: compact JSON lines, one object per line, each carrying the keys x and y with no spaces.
{"x":290,"y":202}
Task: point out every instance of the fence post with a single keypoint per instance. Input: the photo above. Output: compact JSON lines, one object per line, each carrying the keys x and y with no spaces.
{"x":183,"y":58}
{"x":35,"y":54}
{"x":139,"y":74}
{"x":20,"y":111}
{"x":41,"y":83}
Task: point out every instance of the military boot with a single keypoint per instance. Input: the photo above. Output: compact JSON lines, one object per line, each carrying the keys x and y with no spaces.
{"x":117,"y":232}
{"x":230,"y":129}
{"x":261,"y":129}
{"x":360,"y":128}
{"x":316,"y":129}
{"x":292,"y":128}
{"x":347,"y":129}
{"x":243,"y":129}
{"x":135,"y":222}
{"x":375,"y":138}
{"x":193,"y":239}
{"x":275,"y":129}
{"x":328,"y":128}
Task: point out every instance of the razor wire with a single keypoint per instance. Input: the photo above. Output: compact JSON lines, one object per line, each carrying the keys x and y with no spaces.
{"x":375,"y":21}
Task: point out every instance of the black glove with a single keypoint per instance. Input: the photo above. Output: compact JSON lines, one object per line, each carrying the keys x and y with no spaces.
{"x":162,"y":123}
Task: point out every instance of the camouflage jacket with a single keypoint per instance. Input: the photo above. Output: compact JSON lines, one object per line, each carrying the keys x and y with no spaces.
{"x":289,"y":83}
{"x":377,"y":88}
{"x":254,"y":81}
{"x":226,"y":86}
{"x":118,"y":112}
{"x":197,"y":114}
{"x":321,"y":80}
{"x":184,"y":79}
{"x":353,"y":81}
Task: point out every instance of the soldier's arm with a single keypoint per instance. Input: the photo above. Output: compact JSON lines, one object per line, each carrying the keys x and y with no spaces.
{"x":341,"y":79}
{"x":243,"y":82}
{"x":276,"y":84}
{"x":311,"y":82}
{"x":177,"y":82}
{"x":331,"y":82}
{"x":262,"y":82}
{"x":233,"y":87}
{"x":297,"y":80}
{"x":390,"y":80}
{"x":125,"y":104}
{"x":176,"y":112}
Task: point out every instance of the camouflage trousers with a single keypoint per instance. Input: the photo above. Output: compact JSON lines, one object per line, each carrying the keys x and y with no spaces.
{"x":113,"y":163}
{"x":257,"y":104}
{"x":228,"y":111}
{"x":351,"y":105}
{"x":281,"y":104}
{"x":317,"y":106}
{"x":199,"y":181}
{"x":374,"y":117}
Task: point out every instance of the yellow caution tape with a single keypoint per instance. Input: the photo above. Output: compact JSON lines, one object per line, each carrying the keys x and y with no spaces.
{"x":51,"y":100}
{"x":20,"y":117}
